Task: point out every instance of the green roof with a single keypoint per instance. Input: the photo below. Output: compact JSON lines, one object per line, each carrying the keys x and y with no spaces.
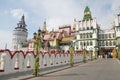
{"x":87,"y":9}
{"x":87,"y":14}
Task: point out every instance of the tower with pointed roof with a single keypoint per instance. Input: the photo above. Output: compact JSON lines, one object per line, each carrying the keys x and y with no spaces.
{"x":44,"y":29}
{"x":20,"y":34}
{"x":86,"y":31}
{"x":87,"y":14}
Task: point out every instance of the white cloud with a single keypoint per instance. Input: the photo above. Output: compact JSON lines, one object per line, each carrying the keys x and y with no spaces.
{"x":6,"y":38}
{"x":17,"y":13}
{"x":56,"y":12}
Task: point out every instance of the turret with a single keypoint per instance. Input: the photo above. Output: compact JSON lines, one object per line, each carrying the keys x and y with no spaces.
{"x":20,"y":34}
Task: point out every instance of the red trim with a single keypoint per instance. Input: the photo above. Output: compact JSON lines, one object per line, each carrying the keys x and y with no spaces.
{"x":1,"y":70}
{"x":28,"y":66}
{"x":16,"y":68}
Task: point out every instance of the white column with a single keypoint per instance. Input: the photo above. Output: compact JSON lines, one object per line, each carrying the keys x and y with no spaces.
{"x":2,"y":61}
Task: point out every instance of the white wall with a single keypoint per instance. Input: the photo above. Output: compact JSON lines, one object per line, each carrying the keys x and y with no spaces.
{"x":17,"y":61}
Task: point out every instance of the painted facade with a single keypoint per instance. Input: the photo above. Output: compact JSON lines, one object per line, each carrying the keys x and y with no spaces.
{"x":54,"y":40}
{"x":18,"y":61}
{"x":86,"y":32}
{"x":89,"y":35}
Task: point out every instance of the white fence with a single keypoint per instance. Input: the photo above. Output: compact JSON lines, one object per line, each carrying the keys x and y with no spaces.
{"x":17,"y":61}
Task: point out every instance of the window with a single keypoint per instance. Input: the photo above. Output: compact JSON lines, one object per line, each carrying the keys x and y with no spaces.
{"x":87,"y":28}
{"x":87,"y":35}
{"x":102,"y":43}
{"x":114,"y":43}
{"x":79,"y":28}
{"x":91,"y":27}
{"x":102,"y":36}
{"x":84,"y":43}
{"x":83,"y":28}
{"x":91,"y":43}
{"x":87,"y":43}
{"x":113,"y":35}
{"x":81,"y":36}
{"x":106,"y":43}
{"x":105,"y":35}
{"x":90,"y":35}
{"x":99,"y":37}
{"x":109,"y":35}
{"x":80,"y":43}
{"x":110,"y":43}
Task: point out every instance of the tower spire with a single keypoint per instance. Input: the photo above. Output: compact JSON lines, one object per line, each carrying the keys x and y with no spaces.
{"x":87,"y":14}
{"x":22,"y":23}
{"x":44,"y":26}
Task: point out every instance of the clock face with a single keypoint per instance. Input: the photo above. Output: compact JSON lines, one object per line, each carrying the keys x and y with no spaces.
{"x":87,"y":13}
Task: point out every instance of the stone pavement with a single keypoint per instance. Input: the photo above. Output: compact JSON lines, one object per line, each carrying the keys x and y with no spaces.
{"x":101,"y":69}
{"x":28,"y":74}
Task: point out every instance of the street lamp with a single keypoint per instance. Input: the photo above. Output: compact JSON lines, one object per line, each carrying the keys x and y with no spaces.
{"x":37,"y":46}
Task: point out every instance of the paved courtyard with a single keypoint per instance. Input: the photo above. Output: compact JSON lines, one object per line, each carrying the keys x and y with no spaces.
{"x":101,"y":69}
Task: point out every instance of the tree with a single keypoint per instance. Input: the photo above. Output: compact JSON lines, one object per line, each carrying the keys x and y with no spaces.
{"x":71,"y":49}
{"x":37,"y":46}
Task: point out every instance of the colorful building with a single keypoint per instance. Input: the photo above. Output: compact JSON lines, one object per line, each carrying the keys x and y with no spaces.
{"x":90,"y":36}
{"x":55,"y":40}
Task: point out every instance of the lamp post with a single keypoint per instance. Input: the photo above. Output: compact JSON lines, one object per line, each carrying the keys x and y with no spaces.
{"x":118,"y":51}
{"x":96,"y":51}
{"x":37,"y":46}
{"x":84,"y":53}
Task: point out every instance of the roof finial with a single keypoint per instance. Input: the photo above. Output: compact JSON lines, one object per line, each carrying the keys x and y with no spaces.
{"x":22,"y":18}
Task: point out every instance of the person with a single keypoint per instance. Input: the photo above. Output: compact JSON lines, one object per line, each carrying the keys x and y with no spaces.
{"x":106,"y":55}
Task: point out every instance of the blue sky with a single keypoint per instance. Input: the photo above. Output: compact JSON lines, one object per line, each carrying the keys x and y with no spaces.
{"x":55,"y":12}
